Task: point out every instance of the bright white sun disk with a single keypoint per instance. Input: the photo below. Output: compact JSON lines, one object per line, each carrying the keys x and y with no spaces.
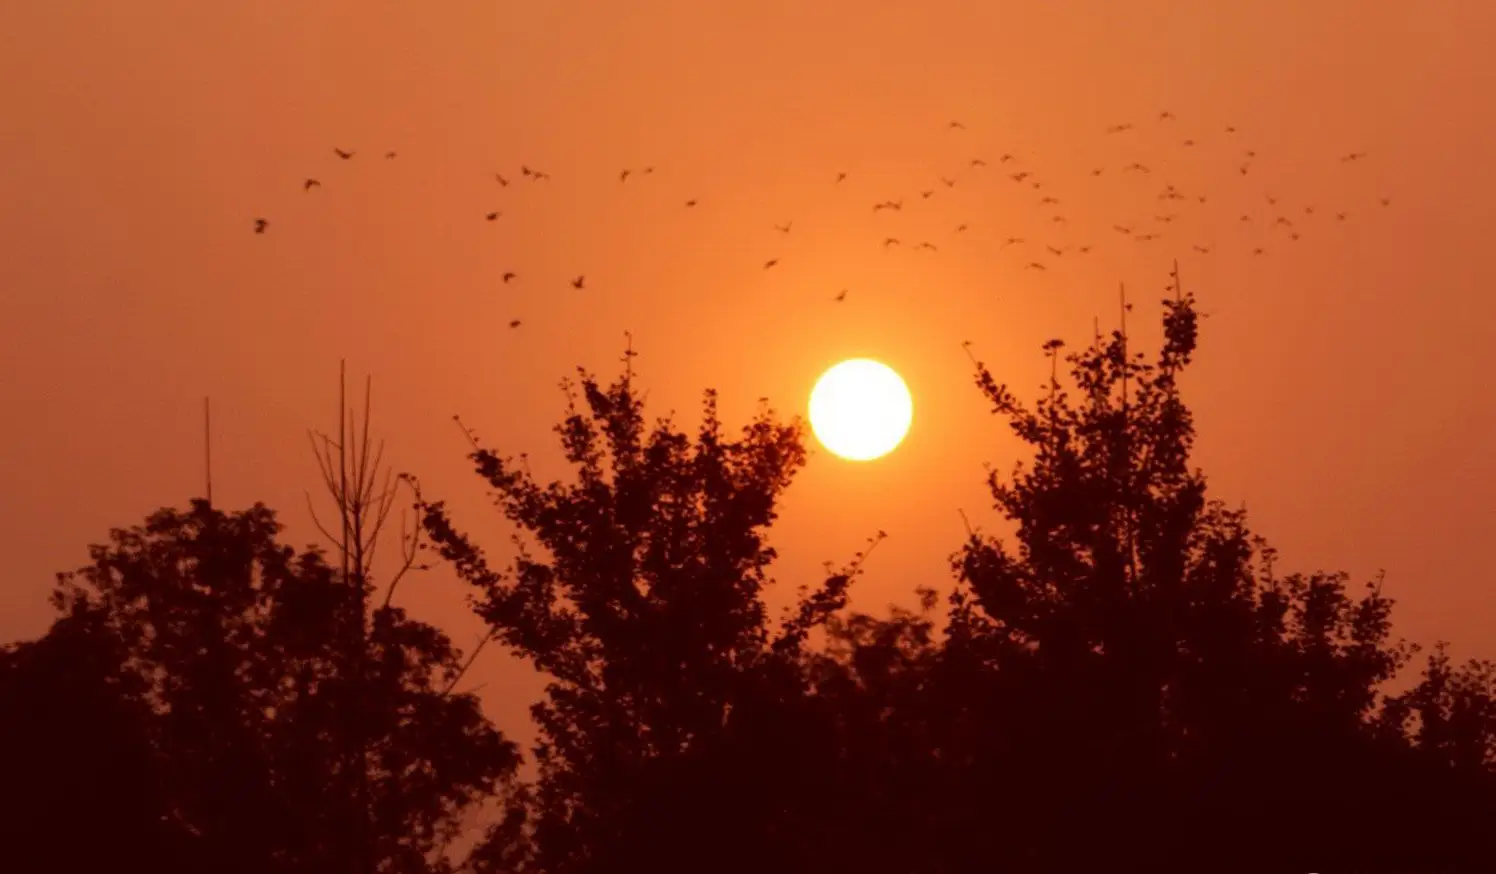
{"x":860,"y":409}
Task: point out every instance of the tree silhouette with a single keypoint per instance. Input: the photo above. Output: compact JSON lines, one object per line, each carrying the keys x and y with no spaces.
{"x":1157,"y":687}
{"x":226,"y":649}
{"x":676,"y":721}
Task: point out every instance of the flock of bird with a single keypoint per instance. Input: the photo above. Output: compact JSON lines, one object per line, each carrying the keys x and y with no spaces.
{"x":1171,"y":202}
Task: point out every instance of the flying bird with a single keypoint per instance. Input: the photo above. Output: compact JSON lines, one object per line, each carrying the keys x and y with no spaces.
{"x":389,"y":155}
{"x":1203,"y":250}
{"x":493,"y":216}
{"x":770,"y":263}
{"x":624,"y":176}
{"x":841,"y":296}
{"x":926,"y":194}
{"x":840,"y":176}
{"x":978,"y":162}
{"x":509,"y":276}
{"x":930,"y":246}
{"x":514,"y":323}
{"x":1353,"y":156}
{"x":784,"y":228}
{"x":949,"y":183}
{"x":579,"y":282}
{"x":1118,"y":128}
{"x":310,"y":184}
{"x":502,"y":180}
{"x":342,"y":154}
{"x":1165,"y":115}
{"x":889,"y":241}
{"x":960,"y":228}
{"x":1034,"y":265}
{"x":261,"y":225}
{"x":1012,"y":241}
{"x":1057,"y":252}
{"x":956,"y":125}
{"x":1386,"y":201}
{"x":690,"y":203}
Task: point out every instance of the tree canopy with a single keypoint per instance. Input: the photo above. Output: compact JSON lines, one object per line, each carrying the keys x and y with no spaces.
{"x":1123,"y":679}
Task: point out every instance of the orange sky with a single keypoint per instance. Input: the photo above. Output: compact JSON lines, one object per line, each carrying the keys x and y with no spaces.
{"x":1341,"y":388}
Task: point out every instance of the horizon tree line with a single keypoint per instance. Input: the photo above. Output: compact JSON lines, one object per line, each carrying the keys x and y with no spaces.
{"x":1125,"y":682}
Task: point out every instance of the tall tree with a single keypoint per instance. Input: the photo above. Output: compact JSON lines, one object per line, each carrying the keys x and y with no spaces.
{"x":676,"y":721}
{"x":1159,"y":688}
{"x":232,"y":644}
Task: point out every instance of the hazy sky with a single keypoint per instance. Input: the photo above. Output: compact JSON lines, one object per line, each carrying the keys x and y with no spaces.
{"x":1342,"y":387}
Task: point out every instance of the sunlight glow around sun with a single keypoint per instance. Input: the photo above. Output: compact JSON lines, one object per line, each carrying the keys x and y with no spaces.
{"x":860,"y":409}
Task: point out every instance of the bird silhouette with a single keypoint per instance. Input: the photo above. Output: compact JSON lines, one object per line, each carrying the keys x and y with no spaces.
{"x":1203,"y":250}
{"x":624,"y":176}
{"x":960,"y":228}
{"x":310,"y":184}
{"x":261,"y":225}
{"x":508,"y":276}
{"x":1165,"y":116}
{"x":889,"y":241}
{"x":784,"y":228}
{"x":493,"y":216}
{"x":949,"y":183}
{"x":579,"y":282}
{"x":841,"y":296}
{"x":501,"y":179}
{"x":840,"y":176}
{"x":1119,"y":128}
{"x":514,"y":323}
{"x":1121,"y":229}
{"x":930,"y":246}
{"x":770,"y":263}
{"x":1386,"y":201}
{"x":342,"y":154}
{"x":389,"y":155}
{"x":1012,"y":241}
{"x":956,"y":125}
{"x":1084,"y":250}
{"x":926,"y":194}
{"x":690,"y":203}
{"x":1057,"y":252}
{"x":978,"y":162}
{"x":1034,"y":265}
{"x":1353,"y":156}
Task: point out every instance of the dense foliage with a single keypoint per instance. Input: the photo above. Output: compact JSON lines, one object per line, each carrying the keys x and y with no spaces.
{"x":1125,"y":682}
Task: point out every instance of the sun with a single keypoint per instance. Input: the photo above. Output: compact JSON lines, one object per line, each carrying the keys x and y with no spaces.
{"x":860,"y":409}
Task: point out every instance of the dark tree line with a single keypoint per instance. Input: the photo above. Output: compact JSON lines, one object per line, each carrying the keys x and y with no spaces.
{"x":1126,"y":682}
